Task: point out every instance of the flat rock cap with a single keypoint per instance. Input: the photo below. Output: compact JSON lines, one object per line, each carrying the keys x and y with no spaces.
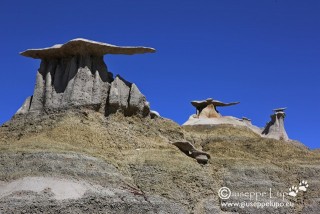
{"x":279,"y":109}
{"x":205,"y":103}
{"x":84,"y":47}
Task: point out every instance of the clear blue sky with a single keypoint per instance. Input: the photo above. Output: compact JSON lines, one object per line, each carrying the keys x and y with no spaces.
{"x":265,"y":53}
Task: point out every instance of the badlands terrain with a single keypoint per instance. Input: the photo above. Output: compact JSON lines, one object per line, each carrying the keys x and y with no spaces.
{"x":87,"y":142}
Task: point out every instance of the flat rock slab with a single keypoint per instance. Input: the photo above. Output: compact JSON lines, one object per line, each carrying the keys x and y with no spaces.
{"x":81,"y":46}
{"x":279,"y":109}
{"x":191,"y":151}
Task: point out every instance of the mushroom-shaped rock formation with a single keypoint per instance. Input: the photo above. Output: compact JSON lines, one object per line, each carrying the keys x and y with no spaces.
{"x":275,"y":128}
{"x":207,"y":114}
{"x":207,"y":108}
{"x":191,"y":151}
{"x":74,"y":74}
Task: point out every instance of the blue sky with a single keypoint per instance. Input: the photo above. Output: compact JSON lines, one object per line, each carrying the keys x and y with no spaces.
{"x":265,"y":54}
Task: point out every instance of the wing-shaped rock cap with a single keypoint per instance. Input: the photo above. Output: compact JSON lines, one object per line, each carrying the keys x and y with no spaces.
{"x":204,"y":103}
{"x":84,"y":47}
{"x":279,"y":109}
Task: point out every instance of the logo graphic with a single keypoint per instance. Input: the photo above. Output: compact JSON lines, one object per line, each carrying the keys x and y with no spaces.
{"x":224,"y":193}
{"x":303,"y":185}
{"x":293,"y":191}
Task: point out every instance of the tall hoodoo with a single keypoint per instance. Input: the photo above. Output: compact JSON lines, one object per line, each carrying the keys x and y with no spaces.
{"x":74,"y":74}
{"x":275,"y":128}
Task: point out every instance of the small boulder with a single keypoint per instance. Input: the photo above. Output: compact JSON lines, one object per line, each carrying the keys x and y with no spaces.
{"x":154,"y":114}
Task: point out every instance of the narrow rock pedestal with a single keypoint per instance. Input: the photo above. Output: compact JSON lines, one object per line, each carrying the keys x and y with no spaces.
{"x":275,"y":128}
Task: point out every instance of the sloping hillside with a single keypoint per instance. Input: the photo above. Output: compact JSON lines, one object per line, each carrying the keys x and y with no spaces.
{"x":83,"y":162}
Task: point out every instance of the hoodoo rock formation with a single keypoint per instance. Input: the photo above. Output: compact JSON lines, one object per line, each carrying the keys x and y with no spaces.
{"x":74,"y":74}
{"x":275,"y":128}
{"x":61,"y":154}
{"x":208,"y":108}
{"x":207,"y":114}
